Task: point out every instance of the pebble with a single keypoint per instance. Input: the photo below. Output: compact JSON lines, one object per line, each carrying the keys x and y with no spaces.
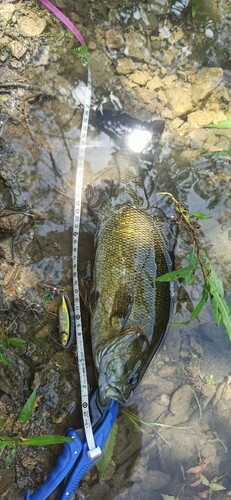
{"x":17,"y":49}
{"x":31,"y":27}
{"x":180,"y":405}
{"x":114,"y":39}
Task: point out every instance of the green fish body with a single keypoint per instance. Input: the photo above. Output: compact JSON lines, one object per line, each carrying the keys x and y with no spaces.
{"x":129,"y":310}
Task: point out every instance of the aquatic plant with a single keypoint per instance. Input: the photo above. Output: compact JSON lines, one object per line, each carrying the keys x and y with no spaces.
{"x":18,"y":439}
{"x":6,"y":342}
{"x":213,"y":286}
{"x":104,"y":462}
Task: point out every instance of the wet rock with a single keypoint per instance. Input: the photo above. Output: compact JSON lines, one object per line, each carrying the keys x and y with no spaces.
{"x":222,"y":400}
{"x":203,"y":117}
{"x":6,"y":12}
{"x":31,"y":26}
{"x":136,"y":45}
{"x":125,"y":66}
{"x":17,"y":282}
{"x":167,"y":371}
{"x":92,"y":45}
{"x":41,"y":56}
{"x":45,"y":332}
{"x":7,"y":478}
{"x":154,"y":83}
{"x":10,"y":221}
{"x":15,"y":64}
{"x":114,"y":39}
{"x":173,"y":344}
{"x":155,"y":478}
{"x":180,"y":405}
{"x":17,"y":49}
{"x":180,"y":100}
{"x":205,"y":82}
{"x":101,"y":70}
{"x":14,"y":376}
{"x":140,"y":77}
{"x":29,"y":463}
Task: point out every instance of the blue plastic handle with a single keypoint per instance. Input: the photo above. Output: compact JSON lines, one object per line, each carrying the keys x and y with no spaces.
{"x":65,"y":462}
{"x":85,"y":463}
{"x":75,"y":457}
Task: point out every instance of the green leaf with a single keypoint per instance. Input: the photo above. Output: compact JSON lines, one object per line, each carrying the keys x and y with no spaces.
{"x":2,"y":422}
{"x":199,"y":215}
{"x":168,"y":497}
{"x":190,"y":278}
{"x":4,"y":359}
{"x":200,"y":304}
{"x":196,"y":310}
{"x":27,"y":410}
{"x":212,"y":485}
{"x":222,"y":152}
{"x":45,"y":440}
{"x":174,"y":275}
{"x":192,"y":258}
{"x":182,"y":323}
{"x":220,"y":124}
{"x":83,"y":54}
{"x":104,"y":462}
{"x":15,"y":342}
{"x":10,"y":458}
{"x":69,"y":34}
{"x":186,"y":272}
{"x":220,"y":308}
{"x":4,"y":98}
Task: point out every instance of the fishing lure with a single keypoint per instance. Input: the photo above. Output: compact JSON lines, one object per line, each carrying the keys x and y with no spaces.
{"x":66,"y":321}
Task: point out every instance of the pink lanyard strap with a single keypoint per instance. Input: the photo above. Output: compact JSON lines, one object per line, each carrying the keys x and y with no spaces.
{"x":65,"y":20}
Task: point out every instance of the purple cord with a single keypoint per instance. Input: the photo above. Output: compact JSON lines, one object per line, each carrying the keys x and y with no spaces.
{"x":65,"y":20}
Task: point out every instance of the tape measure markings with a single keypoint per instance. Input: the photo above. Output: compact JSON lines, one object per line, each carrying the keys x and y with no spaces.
{"x":93,"y":449}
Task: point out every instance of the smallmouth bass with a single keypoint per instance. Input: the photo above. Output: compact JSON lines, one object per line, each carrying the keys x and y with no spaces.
{"x":129,"y":311}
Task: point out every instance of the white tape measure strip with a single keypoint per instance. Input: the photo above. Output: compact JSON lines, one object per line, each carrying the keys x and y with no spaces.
{"x":93,"y":450}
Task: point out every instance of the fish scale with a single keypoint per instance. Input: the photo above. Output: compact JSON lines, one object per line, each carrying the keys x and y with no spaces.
{"x":130,"y":252}
{"x":129,"y":310}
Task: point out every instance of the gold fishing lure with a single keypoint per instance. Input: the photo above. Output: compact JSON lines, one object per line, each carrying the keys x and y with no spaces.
{"x":65,"y":321}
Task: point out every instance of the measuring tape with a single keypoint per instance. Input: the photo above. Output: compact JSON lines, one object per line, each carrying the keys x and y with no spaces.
{"x":93,"y":450}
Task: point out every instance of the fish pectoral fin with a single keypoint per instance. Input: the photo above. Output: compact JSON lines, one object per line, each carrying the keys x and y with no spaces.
{"x":121,"y":308}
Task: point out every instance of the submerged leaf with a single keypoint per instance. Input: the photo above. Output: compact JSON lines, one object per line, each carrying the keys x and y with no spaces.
{"x":212,"y":485}
{"x":27,"y":410}
{"x":105,"y":460}
{"x":199,"y":215}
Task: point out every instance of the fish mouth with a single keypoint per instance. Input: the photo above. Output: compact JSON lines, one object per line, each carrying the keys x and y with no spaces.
{"x":111,"y":392}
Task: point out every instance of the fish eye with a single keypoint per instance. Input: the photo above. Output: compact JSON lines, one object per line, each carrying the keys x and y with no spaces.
{"x":133,"y":379}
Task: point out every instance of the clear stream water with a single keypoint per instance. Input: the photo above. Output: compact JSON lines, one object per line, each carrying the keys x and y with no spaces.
{"x":181,"y":385}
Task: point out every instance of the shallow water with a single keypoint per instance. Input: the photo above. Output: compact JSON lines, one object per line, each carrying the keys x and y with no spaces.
{"x":187,"y":383}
